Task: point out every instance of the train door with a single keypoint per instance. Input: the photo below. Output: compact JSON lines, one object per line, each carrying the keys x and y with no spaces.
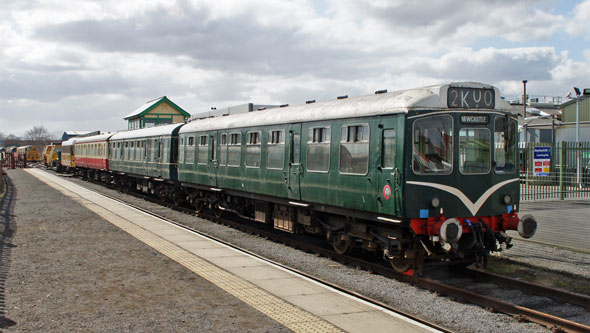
{"x":212,"y":160}
{"x":389,"y":141}
{"x":144,"y":157}
{"x":294,"y":166}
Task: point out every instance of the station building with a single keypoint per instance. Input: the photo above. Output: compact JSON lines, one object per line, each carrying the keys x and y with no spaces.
{"x":567,"y":129}
{"x":156,"y":112}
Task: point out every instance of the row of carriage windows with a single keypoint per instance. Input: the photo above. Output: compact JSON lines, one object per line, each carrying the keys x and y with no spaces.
{"x":432,"y":148}
{"x":354,"y":149}
{"x":138,"y":150}
{"x":91,"y":149}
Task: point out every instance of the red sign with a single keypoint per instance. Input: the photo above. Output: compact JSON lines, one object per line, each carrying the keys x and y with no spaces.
{"x":386,"y":192}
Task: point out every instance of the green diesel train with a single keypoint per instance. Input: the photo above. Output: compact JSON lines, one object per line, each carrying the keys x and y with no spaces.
{"x":421,"y":174}
{"x":416,"y":176}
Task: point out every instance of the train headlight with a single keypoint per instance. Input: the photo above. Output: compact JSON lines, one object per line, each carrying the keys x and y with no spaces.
{"x":435,"y":202}
{"x":507,"y":199}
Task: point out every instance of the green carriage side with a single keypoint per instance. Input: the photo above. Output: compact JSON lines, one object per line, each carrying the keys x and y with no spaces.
{"x":146,"y":159}
{"x":328,"y":155}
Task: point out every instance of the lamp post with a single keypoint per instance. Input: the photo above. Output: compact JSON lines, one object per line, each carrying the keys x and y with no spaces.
{"x":524,"y":110}
{"x":578,"y":136}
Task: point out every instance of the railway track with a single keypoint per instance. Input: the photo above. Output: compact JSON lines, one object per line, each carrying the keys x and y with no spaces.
{"x":467,"y":292}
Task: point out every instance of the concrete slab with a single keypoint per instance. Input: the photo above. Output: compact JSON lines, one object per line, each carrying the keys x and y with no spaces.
{"x":289,"y":286}
{"x":179,"y":237}
{"x":197,"y":244}
{"x":373,"y":321}
{"x":213,"y":252}
{"x":560,"y":222}
{"x":327,"y":304}
{"x":253,"y":273}
{"x":237,"y":261}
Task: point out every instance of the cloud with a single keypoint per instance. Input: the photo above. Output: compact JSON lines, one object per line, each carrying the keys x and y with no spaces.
{"x":61,"y":60}
{"x":578,"y":24}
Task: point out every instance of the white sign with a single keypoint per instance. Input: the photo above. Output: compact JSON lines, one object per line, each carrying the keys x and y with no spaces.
{"x":542,"y":161}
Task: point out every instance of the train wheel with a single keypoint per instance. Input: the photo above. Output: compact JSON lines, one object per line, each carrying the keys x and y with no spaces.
{"x":401,"y":265}
{"x":342,"y":244}
{"x":199,"y":206}
{"x":177,"y":199}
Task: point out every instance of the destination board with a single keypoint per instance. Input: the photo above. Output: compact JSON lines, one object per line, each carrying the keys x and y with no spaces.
{"x":474,"y":119}
{"x":471,"y":98}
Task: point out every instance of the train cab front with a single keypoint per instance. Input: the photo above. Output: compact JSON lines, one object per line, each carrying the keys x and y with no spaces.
{"x":462,"y":185}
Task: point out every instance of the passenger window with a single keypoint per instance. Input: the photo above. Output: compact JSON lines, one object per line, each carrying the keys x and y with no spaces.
{"x":388,"y":147}
{"x":296,"y":148}
{"x":354,"y":149}
{"x":148,"y":149}
{"x":318,"y":149}
{"x":234,"y":149}
{"x":180,"y":151}
{"x":203,"y":149}
{"x":190,"y":150}
{"x":275,"y":158}
{"x":223,"y":149}
{"x":253,"y":150}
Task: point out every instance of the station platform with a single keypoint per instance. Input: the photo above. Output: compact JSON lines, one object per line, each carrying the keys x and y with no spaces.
{"x":562,"y":223}
{"x":294,"y":302}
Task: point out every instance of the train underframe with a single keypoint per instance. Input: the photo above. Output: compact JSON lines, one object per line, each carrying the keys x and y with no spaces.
{"x":410,"y":246}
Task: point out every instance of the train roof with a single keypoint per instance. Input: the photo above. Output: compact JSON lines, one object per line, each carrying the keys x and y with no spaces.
{"x":147,"y":132}
{"x":93,"y":138}
{"x":69,"y":142}
{"x":426,"y":98}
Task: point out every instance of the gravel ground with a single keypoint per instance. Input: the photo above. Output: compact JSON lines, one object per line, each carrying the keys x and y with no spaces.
{"x":448,"y":313}
{"x":65,"y":269}
{"x":549,"y":257}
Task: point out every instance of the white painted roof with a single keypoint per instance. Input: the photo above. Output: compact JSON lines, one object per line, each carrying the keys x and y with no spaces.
{"x":93,"y":138}
{"x":144,"y":107}
{"x":147,"y":132}
{"x":77,"y":132}
{"x":69,"y":142}
{"x":427,"y":98}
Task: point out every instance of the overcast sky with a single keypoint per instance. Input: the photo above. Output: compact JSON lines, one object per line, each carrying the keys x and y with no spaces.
{"x":84,"y":65}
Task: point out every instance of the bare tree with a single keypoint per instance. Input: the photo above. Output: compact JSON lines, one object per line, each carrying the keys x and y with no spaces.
{"x":38,"y":133}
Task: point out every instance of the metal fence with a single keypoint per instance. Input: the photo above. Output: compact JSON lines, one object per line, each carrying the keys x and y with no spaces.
{"x":554,"y":172}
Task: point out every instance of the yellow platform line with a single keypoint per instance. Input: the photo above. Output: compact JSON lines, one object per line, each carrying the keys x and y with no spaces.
{"x":274,"y":307}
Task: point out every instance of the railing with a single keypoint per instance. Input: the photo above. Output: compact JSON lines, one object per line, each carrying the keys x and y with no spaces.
{"x":559,"y":172}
